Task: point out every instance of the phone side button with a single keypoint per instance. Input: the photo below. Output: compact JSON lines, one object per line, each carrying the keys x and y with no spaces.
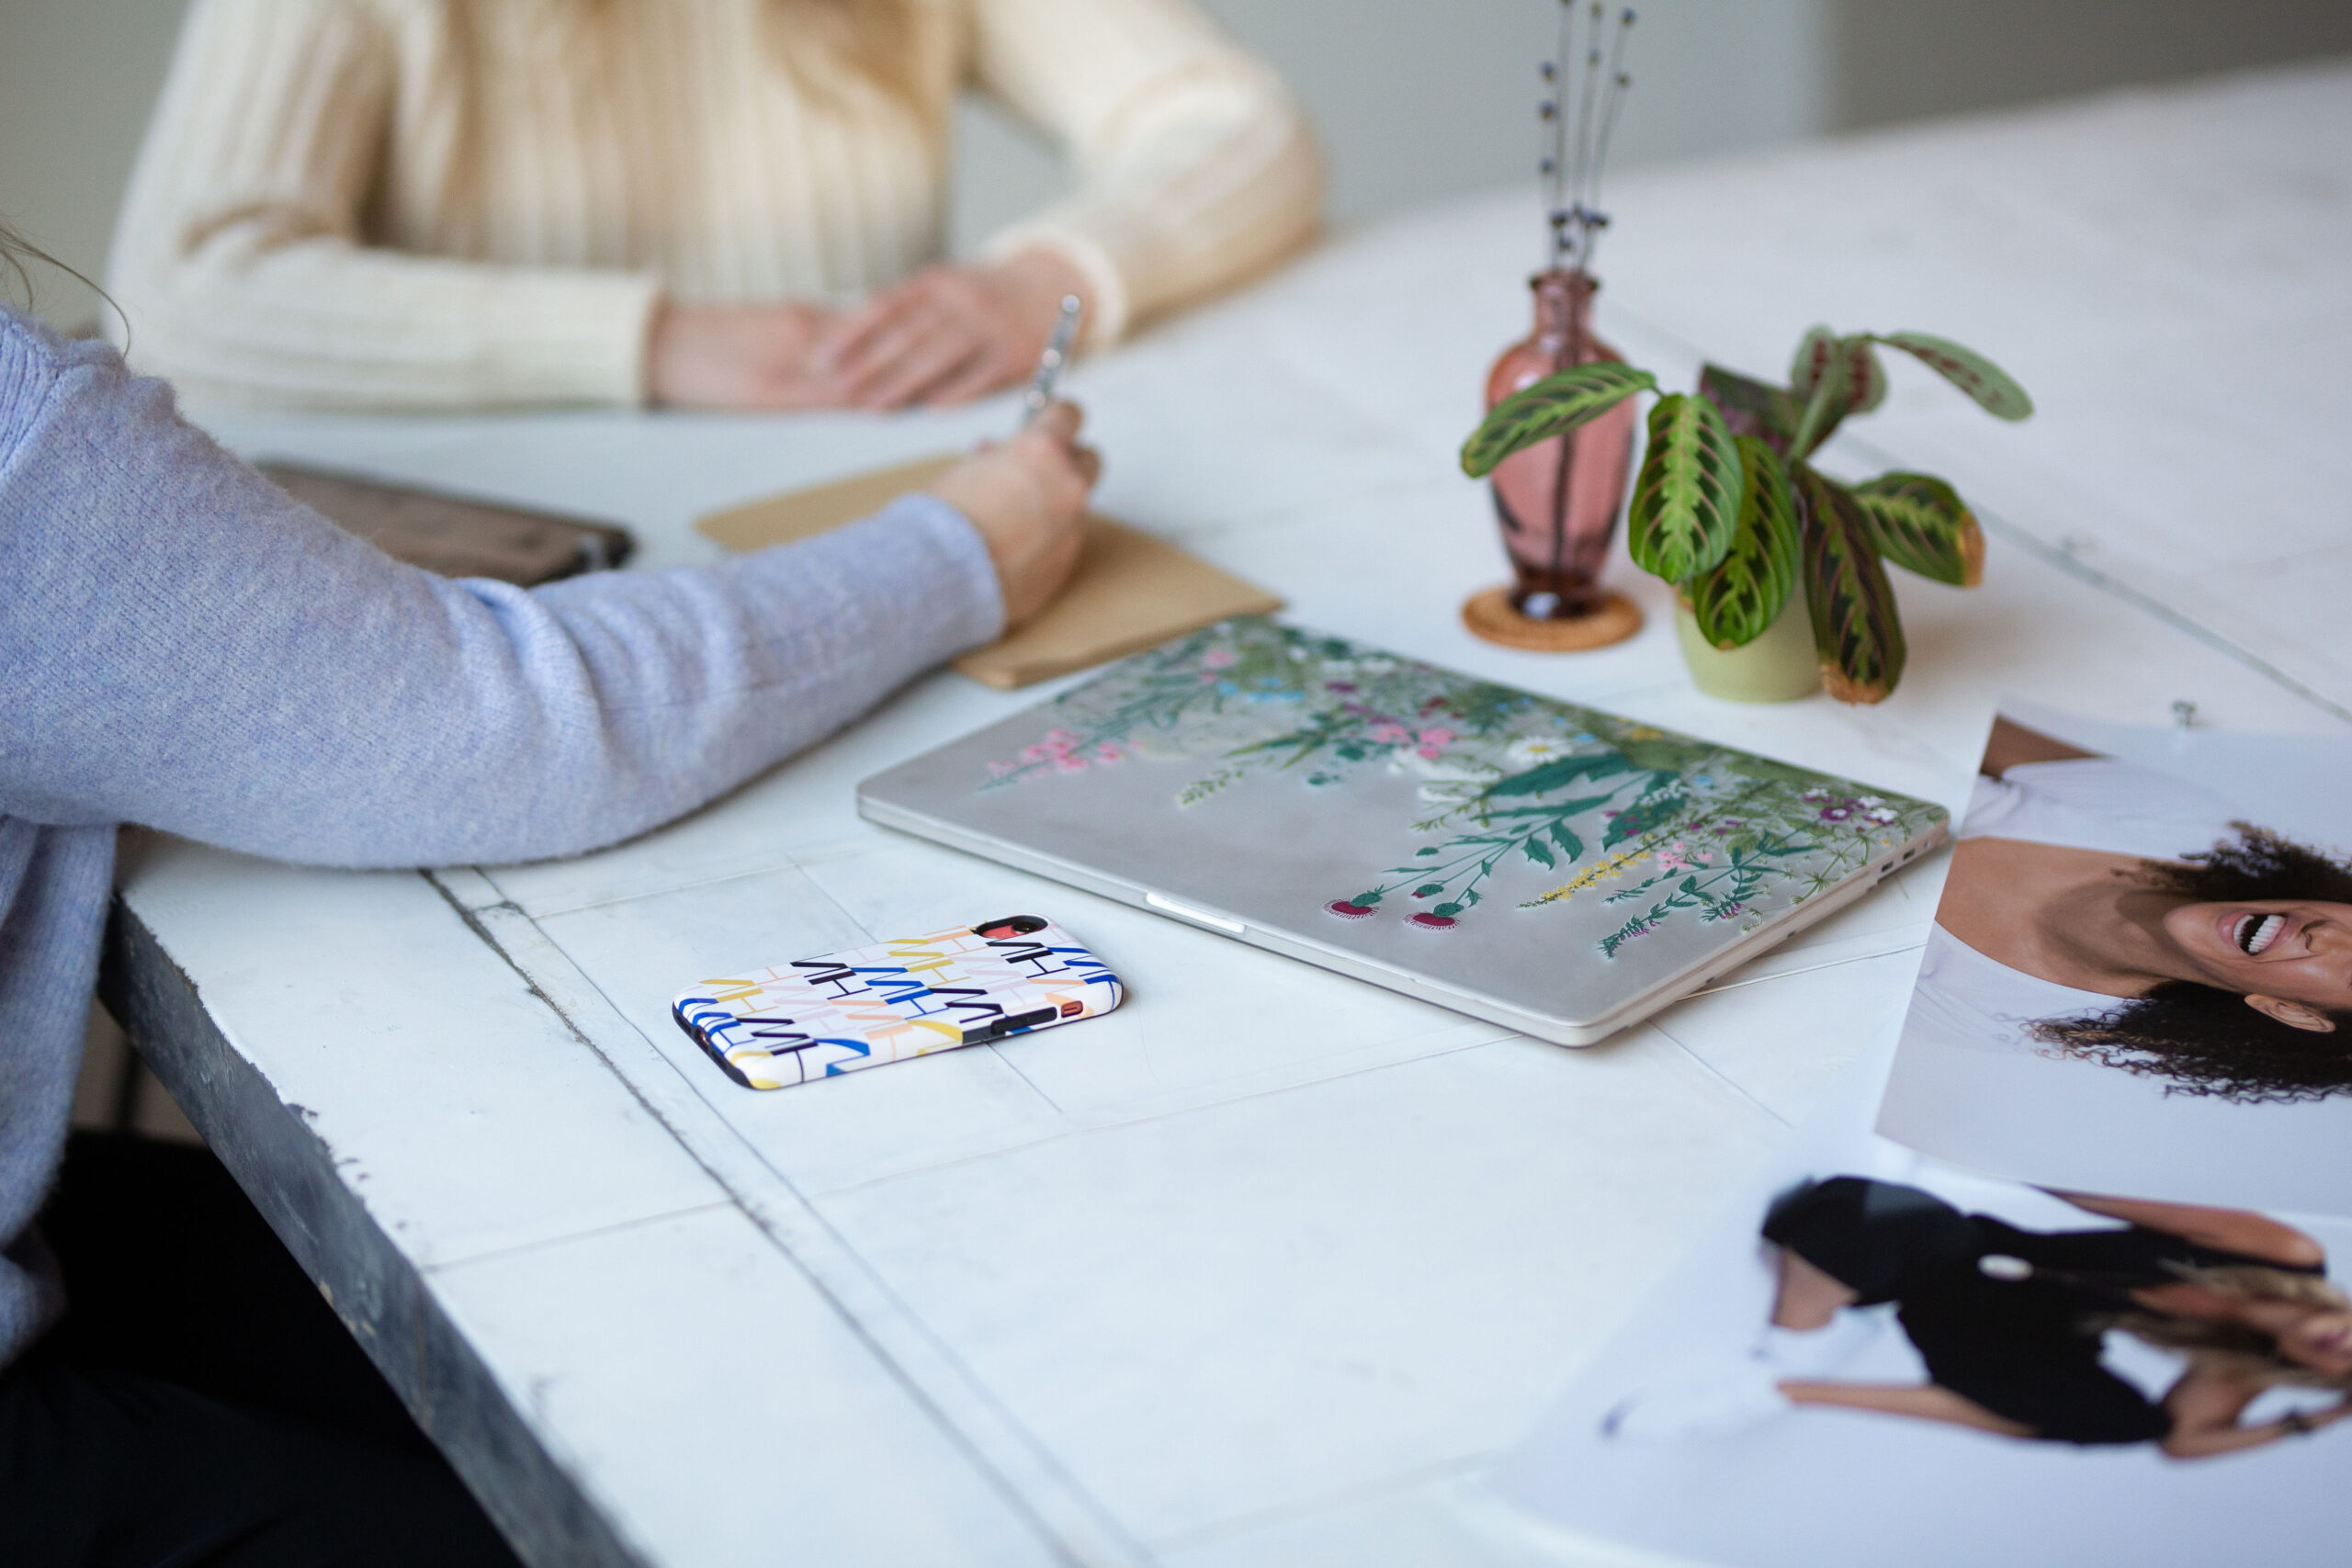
{"x":1188,"y":912}
{"x":1018,"y":1025}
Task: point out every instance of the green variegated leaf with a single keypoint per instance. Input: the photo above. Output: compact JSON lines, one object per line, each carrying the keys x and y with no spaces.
{"x":1855,"y":627}
{"x":1686,"y":501}
{"x":1995,"y":391}
{"x":1817,"y":356}
{"x":1919,"y":523}
{"x":1833,"y":377}
{"x":1751,"y":407}
{"x":1739,"y":599}
{"x":1865,"y":376}
{"x":1550,"y":407}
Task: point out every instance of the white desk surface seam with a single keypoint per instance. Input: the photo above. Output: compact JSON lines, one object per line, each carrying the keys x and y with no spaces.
{"x":765,"y":1196}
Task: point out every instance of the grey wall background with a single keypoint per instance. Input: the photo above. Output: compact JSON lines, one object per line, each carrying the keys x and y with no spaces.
{"x":1903,"y":59}
{"x":77,"y":78}
{"x":1423,"y":98}
{"x":1417,"y":98}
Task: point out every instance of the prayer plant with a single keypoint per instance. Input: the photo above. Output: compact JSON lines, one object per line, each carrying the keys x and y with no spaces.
{"x":1728,"y":507}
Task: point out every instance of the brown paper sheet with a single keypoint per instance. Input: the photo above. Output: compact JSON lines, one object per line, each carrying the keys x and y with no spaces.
{"x":1130,"y":591}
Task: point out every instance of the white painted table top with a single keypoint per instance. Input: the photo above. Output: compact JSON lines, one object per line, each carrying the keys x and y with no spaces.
{"x":1265,"y":1268}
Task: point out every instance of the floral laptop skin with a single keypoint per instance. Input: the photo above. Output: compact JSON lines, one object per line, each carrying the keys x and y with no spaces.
{"x":1517,"y":857}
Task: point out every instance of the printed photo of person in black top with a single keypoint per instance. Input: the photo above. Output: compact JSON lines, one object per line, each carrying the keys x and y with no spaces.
{"x":2010,"y":1322}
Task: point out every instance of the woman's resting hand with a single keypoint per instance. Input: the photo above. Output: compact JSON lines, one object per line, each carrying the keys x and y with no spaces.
{"x":740,"y":356}
{"x":1027,"y":498}
{"x":949,"y":333}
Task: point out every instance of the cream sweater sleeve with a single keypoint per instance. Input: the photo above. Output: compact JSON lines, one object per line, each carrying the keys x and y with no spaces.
{"x":239,"y":260}
{"x":1195,"y":167}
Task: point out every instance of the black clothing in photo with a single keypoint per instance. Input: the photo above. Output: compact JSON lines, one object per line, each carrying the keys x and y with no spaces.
{"x":2027,"y":1349}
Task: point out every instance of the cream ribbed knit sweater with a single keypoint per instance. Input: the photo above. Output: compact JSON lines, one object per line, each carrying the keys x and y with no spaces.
{"x":362,"y":203}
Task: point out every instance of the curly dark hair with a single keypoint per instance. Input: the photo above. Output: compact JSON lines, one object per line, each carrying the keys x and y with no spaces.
{"x":2205,"y":1040}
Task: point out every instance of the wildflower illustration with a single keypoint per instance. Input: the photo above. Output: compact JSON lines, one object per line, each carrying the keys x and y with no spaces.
{"x":1504,"y":778}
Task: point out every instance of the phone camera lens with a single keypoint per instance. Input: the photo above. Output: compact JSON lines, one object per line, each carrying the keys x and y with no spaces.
{"x":1011,"y":925}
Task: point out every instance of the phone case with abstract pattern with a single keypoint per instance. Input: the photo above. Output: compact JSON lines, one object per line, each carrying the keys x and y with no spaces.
{"x":909,"y":996}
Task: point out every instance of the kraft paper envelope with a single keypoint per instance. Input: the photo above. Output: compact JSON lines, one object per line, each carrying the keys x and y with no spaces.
{"x":1130,"y":591}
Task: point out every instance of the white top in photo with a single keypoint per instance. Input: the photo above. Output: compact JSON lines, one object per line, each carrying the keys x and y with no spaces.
{"x":2089,"y":803}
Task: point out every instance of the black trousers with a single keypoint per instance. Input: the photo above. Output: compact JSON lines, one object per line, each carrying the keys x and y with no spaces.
{"x":199,"y":1406}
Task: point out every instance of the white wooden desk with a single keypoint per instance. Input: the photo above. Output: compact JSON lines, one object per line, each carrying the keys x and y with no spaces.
{"x":1264,"y":1268}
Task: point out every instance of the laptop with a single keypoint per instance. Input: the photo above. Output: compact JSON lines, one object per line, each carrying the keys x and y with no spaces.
{"x":1558,"y":870}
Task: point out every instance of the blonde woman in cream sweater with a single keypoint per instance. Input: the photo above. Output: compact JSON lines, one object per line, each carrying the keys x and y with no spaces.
{"x":451,"y":204}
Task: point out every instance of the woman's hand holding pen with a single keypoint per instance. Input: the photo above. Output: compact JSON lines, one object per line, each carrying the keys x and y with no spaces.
{"x":1027,"y":498}
{"x":949,"y":333}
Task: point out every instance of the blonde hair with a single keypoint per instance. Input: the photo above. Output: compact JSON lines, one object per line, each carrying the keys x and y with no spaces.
{"x":2233,"y":1350}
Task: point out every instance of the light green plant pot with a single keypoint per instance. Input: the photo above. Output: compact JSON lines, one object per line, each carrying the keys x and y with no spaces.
{"x":1778,"y":666}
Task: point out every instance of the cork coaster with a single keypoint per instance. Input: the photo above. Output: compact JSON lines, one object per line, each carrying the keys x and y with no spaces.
{"x":1490,"y":616}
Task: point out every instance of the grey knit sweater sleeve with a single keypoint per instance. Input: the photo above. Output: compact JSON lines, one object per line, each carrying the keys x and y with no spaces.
{"x":182,"y":645}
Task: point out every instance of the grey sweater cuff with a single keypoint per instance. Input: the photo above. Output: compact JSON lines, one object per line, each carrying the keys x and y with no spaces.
{"x":929,"y":589}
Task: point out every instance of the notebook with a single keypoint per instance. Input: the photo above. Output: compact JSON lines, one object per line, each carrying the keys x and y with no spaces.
{"x":1552,"y":868}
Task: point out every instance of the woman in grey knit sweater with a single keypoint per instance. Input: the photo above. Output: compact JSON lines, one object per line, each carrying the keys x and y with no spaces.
{"x":184,"y":647}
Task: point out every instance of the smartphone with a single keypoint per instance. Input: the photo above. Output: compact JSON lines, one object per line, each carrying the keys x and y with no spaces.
{"x":817,"y":1017}
{"x":454,"y":535}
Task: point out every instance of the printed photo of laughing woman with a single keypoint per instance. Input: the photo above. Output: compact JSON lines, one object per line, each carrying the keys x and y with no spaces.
{"x":2140,"y":974}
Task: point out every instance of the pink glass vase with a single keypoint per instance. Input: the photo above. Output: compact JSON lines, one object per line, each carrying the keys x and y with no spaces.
{"x":1558,"y":501}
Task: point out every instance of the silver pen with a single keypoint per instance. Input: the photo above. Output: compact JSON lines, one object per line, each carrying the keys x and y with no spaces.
{"x":1050,"y":363}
